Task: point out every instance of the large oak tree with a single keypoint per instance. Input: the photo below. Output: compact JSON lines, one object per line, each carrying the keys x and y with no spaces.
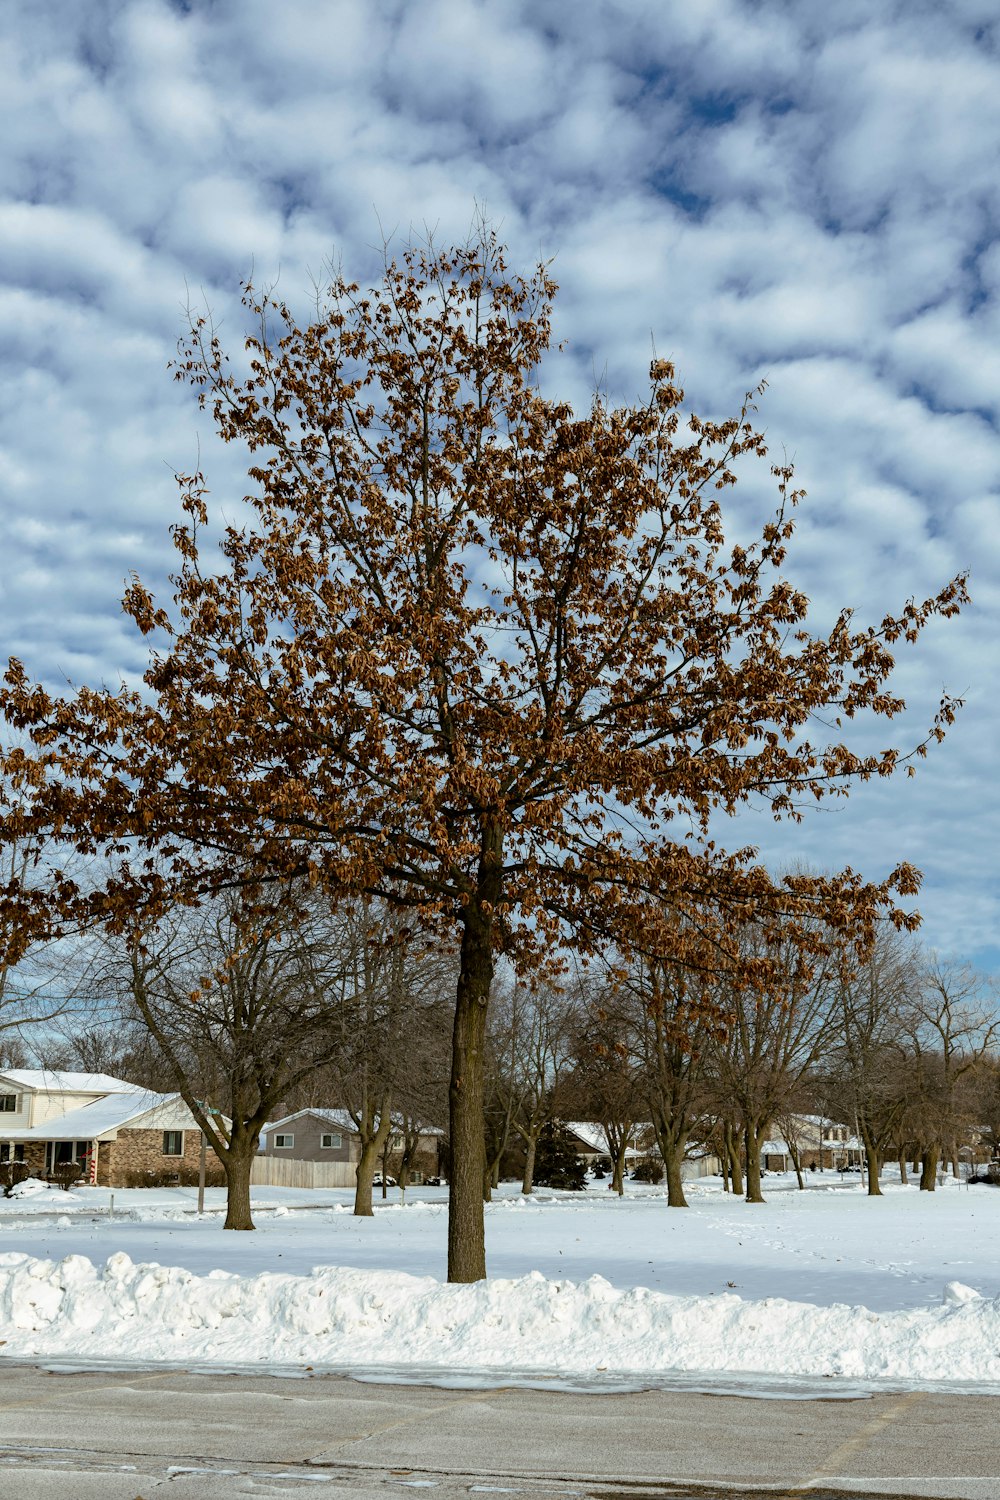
{"x":470,"y":651}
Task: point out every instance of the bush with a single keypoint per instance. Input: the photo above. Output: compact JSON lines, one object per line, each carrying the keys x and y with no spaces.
{"x":649,"y":1169}
{"x":186,"y":1177}
{"x":66,"y":1173}
{"x":556,"y":1162}
{"x":11,"y":1173}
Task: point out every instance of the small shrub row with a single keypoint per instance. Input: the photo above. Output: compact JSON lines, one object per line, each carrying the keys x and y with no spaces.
{"x":184,"y":1177}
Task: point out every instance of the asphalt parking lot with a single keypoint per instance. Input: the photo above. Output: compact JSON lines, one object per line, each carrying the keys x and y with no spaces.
{"x":121,"y":1435}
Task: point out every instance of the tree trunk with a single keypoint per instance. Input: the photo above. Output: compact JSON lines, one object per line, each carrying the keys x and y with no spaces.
{"x":752,"y":1143}
{"x":724,"y":1170}
{"x":410,"y":1146}
{"x":903,"y":1177}
{"x":618,"y":1171}
{"x":928,"y":1169}
{"x":872,"y":1163}
{"x":371,"y":1150}
{"x":491,"y":1167}
{"x":238,"y":1162}
{"x":466,"y":1221}
{"x":672,"y":1158}
{"x":735,"y":1168}
{"x":527,"y":1180}
{"x":384,"y":1164}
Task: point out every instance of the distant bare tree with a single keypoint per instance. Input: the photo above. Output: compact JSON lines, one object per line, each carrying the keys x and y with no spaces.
{"x":773,"y":1038}
{"x":953,"y":1024}
{"x":391,"y":981}
{"x":603,"y":1083}
{"x":239,"y":999}
{"x":544,"y":1020}
{"x":867,"y":1060}
{"x":669,"y":1039}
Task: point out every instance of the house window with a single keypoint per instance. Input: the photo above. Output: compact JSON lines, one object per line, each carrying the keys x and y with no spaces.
{"x":331,"y":1142}
{"x":8,"y":1103}
{"x":283,"y":1142}
{"x":5,"y":1152}
{"x":59,"y":1153}
{"x":173,"y":1143}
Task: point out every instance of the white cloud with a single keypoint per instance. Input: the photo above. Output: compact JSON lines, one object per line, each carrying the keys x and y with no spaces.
{"x":804,"y":193}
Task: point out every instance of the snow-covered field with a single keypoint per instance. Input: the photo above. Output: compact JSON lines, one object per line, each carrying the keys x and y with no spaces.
{"x":825,"y":1288}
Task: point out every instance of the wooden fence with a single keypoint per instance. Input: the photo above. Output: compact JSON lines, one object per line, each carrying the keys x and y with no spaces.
{"x":279,"y":1171}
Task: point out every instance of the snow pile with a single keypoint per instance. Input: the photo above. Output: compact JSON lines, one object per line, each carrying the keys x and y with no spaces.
{"x":367,"y":1320}
{"x":29,"y":1188}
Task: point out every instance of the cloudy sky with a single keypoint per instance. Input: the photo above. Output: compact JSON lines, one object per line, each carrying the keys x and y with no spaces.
{"x":763,"y":189}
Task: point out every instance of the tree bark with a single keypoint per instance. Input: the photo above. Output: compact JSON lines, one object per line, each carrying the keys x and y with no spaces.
{"x":371,"y":1150}
{"x":672,"y":1158}
{"x":735,"y":1168}
{"x":752,"y":1142}
{"x":466,"y":1220}
{"x":527,"y":1180}
{"x":411,"y":1143}
{"x":872,"y":1163}
{"x":928,"y":1170}
{"x":796,"y":1156}
{"x":238,"y":1162}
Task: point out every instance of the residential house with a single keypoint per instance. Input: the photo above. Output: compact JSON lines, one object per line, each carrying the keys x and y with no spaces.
{"x":824,"y":1143}
{"x":590,"y":1143}
{"x":328,"y":1139}
{"x":121,"y":1134}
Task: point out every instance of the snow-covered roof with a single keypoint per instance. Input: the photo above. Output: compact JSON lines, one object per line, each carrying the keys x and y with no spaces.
{"x":92,"y":1121}
{"x":592,"y":1135}
{"x":339,"y":1118}
{"x":56,"y":1081}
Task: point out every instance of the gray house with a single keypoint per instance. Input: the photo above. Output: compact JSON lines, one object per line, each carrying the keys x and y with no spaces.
{"x":312,"y":1135}
{"x":327,"y":1145}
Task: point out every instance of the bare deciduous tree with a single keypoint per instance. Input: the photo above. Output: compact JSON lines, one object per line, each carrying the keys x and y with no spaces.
{"x":603,"y":1084}
{"x":240,"y":1000}
{"x":390,"y":982}
{"x":867,"y":1056}
{"x":773,"y":1037}
{"x":953,"y":1023}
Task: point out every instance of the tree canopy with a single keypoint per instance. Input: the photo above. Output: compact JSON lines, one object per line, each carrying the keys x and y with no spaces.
{"x":472,"y":652}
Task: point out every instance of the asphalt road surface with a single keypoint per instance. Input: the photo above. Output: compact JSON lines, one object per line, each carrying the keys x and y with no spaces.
{"x":177,"y":1435}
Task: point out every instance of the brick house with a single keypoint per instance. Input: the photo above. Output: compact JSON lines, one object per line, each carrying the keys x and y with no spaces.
{"x":123,"y":1135}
